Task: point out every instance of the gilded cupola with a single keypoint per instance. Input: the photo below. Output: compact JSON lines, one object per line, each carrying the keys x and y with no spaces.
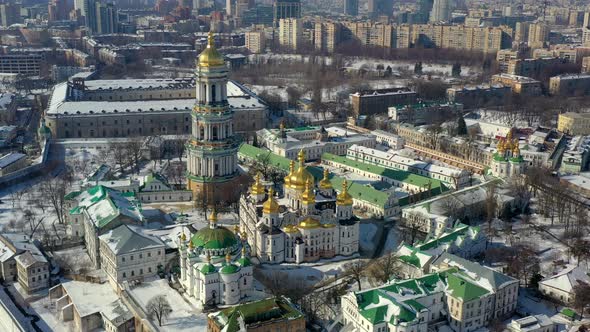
{"x":325,"y":182}
{"x":257,"y":187}
{"x":299,"y":178}
{"x":344,"y":197}
{"x":308,"y":196}
{"x":271,"y":205}
{"x":210,"y":57}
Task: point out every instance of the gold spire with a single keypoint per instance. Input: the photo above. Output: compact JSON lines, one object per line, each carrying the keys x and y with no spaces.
{"x":308,"y":196}
{"x":227,"y":257}
{"x":183,"y":236}
{"x":208,"y":257}
{"x":271,"y":205}
{"x":244,"y":235}
{"x":291,"y":171}
{"x":515,"y":150}
{"x":243,"y":251}
{"x":190,"y":245}
{"x":210,"y":56}
{"x":257,"y":187}
{"x":344,"y":197}
{"x":325,"y":182}
{"x":501,"y":146}
{"x":237,"y":229}
{"x":299,"y":178}
{"x":213,"y":218}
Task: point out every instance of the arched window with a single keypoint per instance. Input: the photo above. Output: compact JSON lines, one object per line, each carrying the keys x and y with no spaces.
{"x":214,"y":132}
{"x":201,"y":132}
{"x":213,"y":94}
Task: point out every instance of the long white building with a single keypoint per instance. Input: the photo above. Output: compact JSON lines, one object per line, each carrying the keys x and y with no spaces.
{"x":451,"y":176}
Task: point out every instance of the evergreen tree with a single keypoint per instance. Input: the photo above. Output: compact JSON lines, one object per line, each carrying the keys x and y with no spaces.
{"x":456,"y":70}
{"x":418,"y":68}
{"x":461,"y":126}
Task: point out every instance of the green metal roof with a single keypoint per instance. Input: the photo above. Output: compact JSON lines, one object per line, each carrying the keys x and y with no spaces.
{"x":436,"y":186}
{"x":463,"y":288}
{"x":229,"y":269}
{"x":214,"y":238}
{"x":357,"y":191}
{"x":208,"y":269}
{"x":458,"y":231}
{"x":244,"y":261}
{"x":265,"y":310}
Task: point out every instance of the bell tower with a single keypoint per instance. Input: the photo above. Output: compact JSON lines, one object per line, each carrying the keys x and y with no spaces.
{"x":212,"y":163}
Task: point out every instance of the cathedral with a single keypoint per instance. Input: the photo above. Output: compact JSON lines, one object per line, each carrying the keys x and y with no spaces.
{"x":507,"y":160}
{"x":214,"y":265}
{"x":212,"y":159}
{"x":309,"y":222}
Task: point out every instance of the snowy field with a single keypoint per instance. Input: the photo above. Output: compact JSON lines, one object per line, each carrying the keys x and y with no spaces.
{"x":185,"y":316}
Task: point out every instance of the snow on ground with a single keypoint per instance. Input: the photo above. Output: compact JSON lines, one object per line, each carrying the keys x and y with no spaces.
{"x":49,"y":320}
{"x":392,"y":241}
{"x":184,"y":316}
{"x":367,"y":237}
{"x":309,"y":273}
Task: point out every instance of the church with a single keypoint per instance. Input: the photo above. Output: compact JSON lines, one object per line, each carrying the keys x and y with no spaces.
{"x":214,"y":265}
{"x":311,"y":221}
{"x":507,"y":160}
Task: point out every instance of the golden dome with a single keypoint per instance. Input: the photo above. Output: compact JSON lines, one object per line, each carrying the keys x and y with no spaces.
{"x":271,"y":205}
{"x":501,"y":147}
{"x":290,"y":229}
{"x":257,"y":187}
{"x":344,"y":197}
{"x":325,"y":182}
{"x":308,"y":196}
{"x":210,"y":56}
{"x":213,"y":216}
{"x":310,"y":222}
{"x":299,"y":178}
{"x":329,"y":225}
{"x":291,"y":171}
{"x":516,"y":149}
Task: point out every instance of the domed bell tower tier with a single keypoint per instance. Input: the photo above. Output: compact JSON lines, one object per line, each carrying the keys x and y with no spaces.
{"x":212,"y":163}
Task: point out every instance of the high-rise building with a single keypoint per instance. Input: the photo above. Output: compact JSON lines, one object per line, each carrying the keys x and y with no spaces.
{"x":441,"y":11}
{"x":586,"y":20}
{"x":230,"y":7}
{"x":351,"y":7}
{"x":286,"y":9}
{"x":106,"y":18}
{"x":9,"y":14}
{"x":380,"y":7}
{"x":57,"y":10}
{"x":538,"y":35}
{"x":424,"y":9}
{"x":290,"y":33}
{"x":326,"y":36}
{"x":255,"y":41}
{"x":212,"y":150}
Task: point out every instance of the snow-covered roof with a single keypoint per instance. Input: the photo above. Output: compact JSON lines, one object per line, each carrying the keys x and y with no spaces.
{"x":89,"y":298}
{"x":567,"y":279}
{"x":238,"y":97}
{"x":10,"y":159}
{"x":125,"y":239}
{"x":6,"y":99}
{"x":29,"y":258}
{"x":530,"y":323}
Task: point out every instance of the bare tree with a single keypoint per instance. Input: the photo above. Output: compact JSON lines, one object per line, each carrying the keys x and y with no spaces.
{"x":55,"y":190}
{"x":356,"y":270}
{"x":133,"y":150}
{"x":159,"y":308}
{"x":119,"y":153}
{"x":582,"y":297}
{"x":383,"y":268}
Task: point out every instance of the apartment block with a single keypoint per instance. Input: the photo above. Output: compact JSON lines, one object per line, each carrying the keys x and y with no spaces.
{"x":479,"y":96}
{"x":255,"y":41}
{"x":290,"y":33}
{"x":570,"y":85}
{"x":326,"y":36}
{"x":574,"y":123}
{"x":520,"y":85}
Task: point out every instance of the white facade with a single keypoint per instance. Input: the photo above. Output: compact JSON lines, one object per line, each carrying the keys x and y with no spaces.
{"x":309,"y":223}
{"x":453,"y":177}
{"x":560,"y":287}
{"x":536,"y":323}
{"x":388,"y":139}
